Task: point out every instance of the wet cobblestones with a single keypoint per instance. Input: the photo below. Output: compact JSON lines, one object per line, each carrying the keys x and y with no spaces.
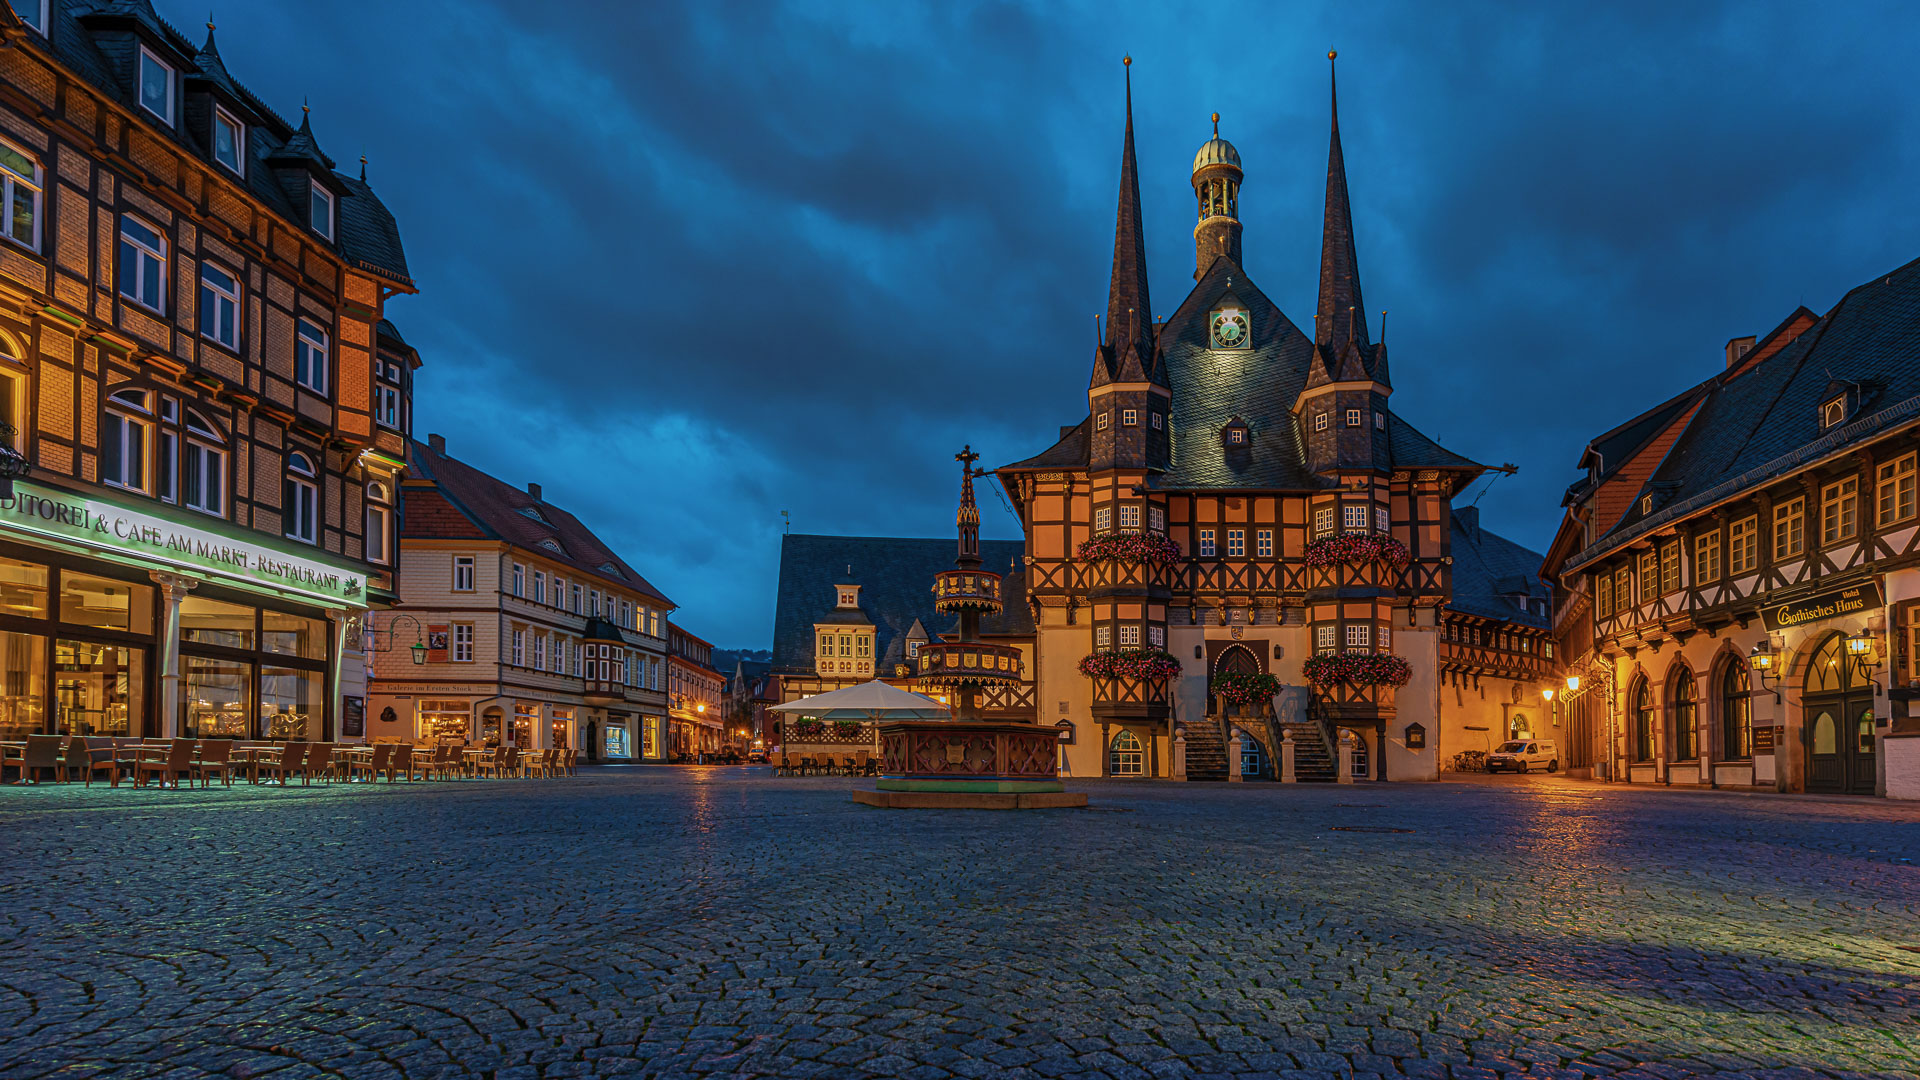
{"x":654,"y":922}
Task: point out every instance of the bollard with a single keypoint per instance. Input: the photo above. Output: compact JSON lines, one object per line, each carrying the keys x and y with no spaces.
{"x":1346,"y":758}
{"x":1286,"y":757}
{"x":1233,"y":759}
{"x":1180,"y":753}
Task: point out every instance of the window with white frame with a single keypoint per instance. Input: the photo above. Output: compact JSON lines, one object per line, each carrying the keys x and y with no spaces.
{"x":559,"y":592}
{"x":156,"y":85}
{"x":1263,"y":543}
{"x":519,"y":580}
{"x":379,"y":539}
{"x":1130,"y":516}
{"x":1382,"y":522}
{"x":32,"y":12}
{"x":219,"y":307}
{"x":386,"y":396}
{"x":1323,"y":638}
{"x":519,"y":647}
{"x":626,"y":614}
{"x":539,"y":586}
{"x":653,"y":622}
{"x":1156,"y":519}
{"x":301,"y":499}
{"x":463,"y":573}
{"x":126,"y":432}
{"x":539,"y":652}
{"x":1236,"y":543}
{"x":1157,"y":636}
{"x":20,"y":184}
{"x":1130,"y":636}
{"x":204,"y":475}
{"x":229,"y":141}
{"x":1353,"y":516}
{"x":1206,"y":543}
{"x":1102,"y":519}
{"x":1359,"y":635}
{"x":1102,"y":637}
{"x":310,"y":355}
{"x":1156,"y":419}
{"x":320,"y":207}
{"x":578,"y":595}
{"x":1353,"y":417}
{"x":1322,"y":521}
{"x":463,"y":643}
{"x":1894,"y":489}
{"x":13,"y":394}
{"x":143,"y":263}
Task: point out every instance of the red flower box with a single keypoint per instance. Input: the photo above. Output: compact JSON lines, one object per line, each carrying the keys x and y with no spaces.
{"x":1357,"y":669}
{"x":1144,"y":547}
{"x":1357,"y":547}
{"x":1149,"y":664}
{"x":1245,"y":687}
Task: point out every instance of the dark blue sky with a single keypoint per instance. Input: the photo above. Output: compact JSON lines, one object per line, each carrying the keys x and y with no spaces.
{"x":691,"y":265}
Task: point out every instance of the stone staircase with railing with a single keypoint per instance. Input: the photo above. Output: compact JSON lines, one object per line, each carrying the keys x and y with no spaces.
{"x":1206,"y":751}
{"x":1313,"y":760}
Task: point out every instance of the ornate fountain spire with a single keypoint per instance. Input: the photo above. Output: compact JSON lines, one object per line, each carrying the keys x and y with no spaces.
{"x":969,"y":516}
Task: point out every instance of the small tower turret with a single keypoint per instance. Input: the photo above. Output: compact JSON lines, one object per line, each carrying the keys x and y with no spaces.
{"x":1216,"y":184}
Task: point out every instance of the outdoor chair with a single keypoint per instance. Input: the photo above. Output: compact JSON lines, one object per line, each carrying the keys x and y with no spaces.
{"x":286,"y":764}
{"x":319,"y":763}
{"x":850,"y":766}
{"x":90,"y":756}
{"x":446,"y":761}
{"x":214,"y":757}
{"x":402,"y":763}
{"x":863,"y":764}
{"x":539,"y":763}
{"x":382,"y":759}
{"x":41,"y":752}
{"x":512,"y":765}
{"x":177,"y":761}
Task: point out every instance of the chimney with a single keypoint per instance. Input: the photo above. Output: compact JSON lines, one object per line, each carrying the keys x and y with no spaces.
{"x":534,"y":490}
{"x":438,"y":443}
{"x":1737,"y":348}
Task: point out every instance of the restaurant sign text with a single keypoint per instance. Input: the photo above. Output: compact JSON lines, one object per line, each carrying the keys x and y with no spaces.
{"x":163,"y":535}
{"x":1823,"y":606}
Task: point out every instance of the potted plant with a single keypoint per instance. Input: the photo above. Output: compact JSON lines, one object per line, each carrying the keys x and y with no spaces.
{"x":1357,"y":669}
{"x":1355,"y":548}
{"x":1245,"y":687}
{"x":1146,"y":547}
{"x":846,"y":730}
{"x":1145,"y":664}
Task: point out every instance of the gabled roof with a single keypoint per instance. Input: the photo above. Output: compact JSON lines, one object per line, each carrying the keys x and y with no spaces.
{"x":1493,"y":577}
{"x":491,"y":508}
{"x":1764,"y":424}
{"x":895,"y":575}
{"x":365,"y":234}
{"x":1069,"y":453}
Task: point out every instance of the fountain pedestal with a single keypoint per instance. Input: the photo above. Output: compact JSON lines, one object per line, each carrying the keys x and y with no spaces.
{"x":968,"y":765}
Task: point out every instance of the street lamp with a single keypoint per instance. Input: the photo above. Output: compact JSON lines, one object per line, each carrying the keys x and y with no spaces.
{"x":1573,"y":684}
{"x":419,"y":648}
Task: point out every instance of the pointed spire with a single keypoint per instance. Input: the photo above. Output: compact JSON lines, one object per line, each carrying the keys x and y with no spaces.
{"x":1129,"y":313}
{"x":1341,"y":315}
{"x":969,"y":516}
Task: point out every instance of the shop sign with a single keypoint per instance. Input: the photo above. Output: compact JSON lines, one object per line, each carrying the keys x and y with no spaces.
{"x":353,"y":717}
{"x":437,"y":643}
{"x":1819,"y":608}
{"x":450,"y":689}
{"x":153,"y":534}
{"x":1763,"y":740}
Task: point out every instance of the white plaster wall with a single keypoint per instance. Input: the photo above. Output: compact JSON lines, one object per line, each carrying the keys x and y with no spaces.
{"x":1901,"y":755}
{"x":1417,"y":702}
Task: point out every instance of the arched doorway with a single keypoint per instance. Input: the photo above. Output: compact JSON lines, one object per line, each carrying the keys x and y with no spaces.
{"x":1836,"y":728}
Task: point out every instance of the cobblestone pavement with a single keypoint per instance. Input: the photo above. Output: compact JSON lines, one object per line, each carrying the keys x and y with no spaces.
{"x":721,"y":922}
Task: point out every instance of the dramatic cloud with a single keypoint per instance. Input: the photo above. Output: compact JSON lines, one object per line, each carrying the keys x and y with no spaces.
{"x":692,"y":265}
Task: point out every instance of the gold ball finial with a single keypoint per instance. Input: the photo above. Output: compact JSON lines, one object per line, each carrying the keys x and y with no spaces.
{"x":1331,"y":54}
{"x":1126,"y":61}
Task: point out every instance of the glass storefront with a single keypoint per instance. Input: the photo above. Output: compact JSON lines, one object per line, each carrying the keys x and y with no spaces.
{"x":292,"y":703}
{"x":251,"y":673}
{"x":650,"y":739}
{"x":616,"y":745}
{"x":445,"y":720}
{"x":217,"y":698}
{"x":23,"y":692}
{"x":562,"y":728}
{"x":97,"y":689}
{"x":523,"y":719}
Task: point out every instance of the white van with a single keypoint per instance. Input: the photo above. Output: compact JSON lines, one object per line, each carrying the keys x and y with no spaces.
{"x":1521,"y":755}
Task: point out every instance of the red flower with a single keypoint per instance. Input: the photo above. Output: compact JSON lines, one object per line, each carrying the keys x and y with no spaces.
{"x":1244,"y":687}
{"x":1145,"y":664}
{"x":1357,"y":547}
{"x":1357,"y":669}
{"x":1130,"y":547}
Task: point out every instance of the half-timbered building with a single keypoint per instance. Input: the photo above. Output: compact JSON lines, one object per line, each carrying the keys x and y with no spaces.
{"x":1242,"y":510}
{"x":203,"y":449}
{"x":1739,"y":566}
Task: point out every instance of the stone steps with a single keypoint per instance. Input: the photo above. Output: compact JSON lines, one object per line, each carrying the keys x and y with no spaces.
{"x":1206,"y":754}
{"x":1313,"y":762}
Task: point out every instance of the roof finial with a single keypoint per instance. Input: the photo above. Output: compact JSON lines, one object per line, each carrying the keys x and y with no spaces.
{"x":1333,"y":84}
{"x":1383,"y":326}
{"x":209,"y":20}
{"x":1216,"y":125}
{"x":363,"y":168}
{"x":304,"y":108}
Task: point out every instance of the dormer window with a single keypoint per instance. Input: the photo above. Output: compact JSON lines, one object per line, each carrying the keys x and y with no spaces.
{"x":229,"y":138}
{"x":847,"y":596}
{"x":320,"y":210}
{"x":33,"y":13}
{"x":1646,"y":504}
{"x":1235,"y":435}
{"x":156,"y":86}
{"x":1833,"y":413}
{"x":1230,"y":329}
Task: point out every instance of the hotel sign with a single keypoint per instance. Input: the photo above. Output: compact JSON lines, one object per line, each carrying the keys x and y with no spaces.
{"x":1823,"y":606}
{"x":159,"y":536}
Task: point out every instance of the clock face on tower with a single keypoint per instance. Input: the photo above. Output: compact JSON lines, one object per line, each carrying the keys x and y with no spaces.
{"x":1229,"y":329}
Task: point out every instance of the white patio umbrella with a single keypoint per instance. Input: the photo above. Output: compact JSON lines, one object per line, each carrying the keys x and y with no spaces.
{"x":868,"y":701}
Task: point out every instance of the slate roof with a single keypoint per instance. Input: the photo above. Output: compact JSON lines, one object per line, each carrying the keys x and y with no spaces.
{"x":895,"y":576}
{"x":493,"y":508}
{"x":1491,"y":574}
{"x":1763,"y":422}
{"x":87,"y":37}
